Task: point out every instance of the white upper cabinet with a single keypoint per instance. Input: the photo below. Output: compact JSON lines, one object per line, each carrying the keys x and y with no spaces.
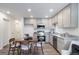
{"x":74,"y":15}
{"x":60,"y":20}
{"x":45,"y":22}
{"x":50,"y":22}
{"x":39,"y":21}
{"x":68,"y":17}
{"x":30,"y":21}
{"x":55,"y":19}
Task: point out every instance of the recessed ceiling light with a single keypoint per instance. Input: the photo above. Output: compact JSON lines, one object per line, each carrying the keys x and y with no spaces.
{"x":29,"y":10}
{"x":16,"y":21}
{"x":46,"y":16}
{"x":50,"y":10}
{"x":31,"y":16}
{"x":8,"y":12}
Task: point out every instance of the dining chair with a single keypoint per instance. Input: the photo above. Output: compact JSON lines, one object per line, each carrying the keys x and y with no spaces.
{"x":38,"y":44}
{"x":25,"y":47}
{"x":17,"y":47}
{"x":11,"y":46}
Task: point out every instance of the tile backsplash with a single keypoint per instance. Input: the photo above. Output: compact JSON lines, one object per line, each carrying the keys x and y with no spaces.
{"x":70,"y":31}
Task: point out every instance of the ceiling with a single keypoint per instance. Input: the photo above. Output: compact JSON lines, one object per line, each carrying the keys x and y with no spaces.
{"x":39,"y":10}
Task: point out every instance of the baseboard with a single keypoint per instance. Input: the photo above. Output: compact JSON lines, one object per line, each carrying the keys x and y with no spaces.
{"x":1,"y":48}
{"x":5,"y":45}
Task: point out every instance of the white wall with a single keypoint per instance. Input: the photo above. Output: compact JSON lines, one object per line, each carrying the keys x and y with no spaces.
{"x":4,"y":30}
{"x":18,"y":28}
{"x":10,"y":28}
{"x":29,"y":29}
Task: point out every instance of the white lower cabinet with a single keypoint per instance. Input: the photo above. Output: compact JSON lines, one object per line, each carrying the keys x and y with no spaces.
{"x":51,"y":39}
{"x":47,"y":37}
{"x":60,"y":44}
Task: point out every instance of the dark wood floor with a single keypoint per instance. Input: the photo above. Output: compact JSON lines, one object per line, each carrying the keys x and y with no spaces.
{"x":48,"y":50}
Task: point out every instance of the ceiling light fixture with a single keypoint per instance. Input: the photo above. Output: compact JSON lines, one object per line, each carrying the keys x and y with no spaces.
{"x":29,"y":10}
{"x":16,"y":21}
{"x":31,"y":16}
{"x":46,"y":16}
{"x":50,"y":10}
{"x":8,"y":12}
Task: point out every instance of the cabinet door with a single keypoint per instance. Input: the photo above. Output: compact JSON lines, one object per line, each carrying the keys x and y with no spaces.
{"x":39,"y":21}
{"x":51,"y":39}
{"x":31,"y":21}
{"x":50,"y":22}
{"x":70,"y":16}
{"x":74,"y":15}
{"x":45,"y":22}
{"x":60,"y":19}
{"x":56,"y":19}
{"x":60,"y":44}
{"x":53,"y":20}
{"x":66,"y":17}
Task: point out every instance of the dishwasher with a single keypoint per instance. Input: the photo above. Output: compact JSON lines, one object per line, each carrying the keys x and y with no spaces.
{"x":55,"y":42}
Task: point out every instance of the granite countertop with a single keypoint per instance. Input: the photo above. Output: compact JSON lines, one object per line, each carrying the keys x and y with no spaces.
{"x":67,"y":37}
{"x":58,"y":36}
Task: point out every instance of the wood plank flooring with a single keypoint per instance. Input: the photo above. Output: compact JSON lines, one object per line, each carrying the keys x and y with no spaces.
{"x":47,"y":48}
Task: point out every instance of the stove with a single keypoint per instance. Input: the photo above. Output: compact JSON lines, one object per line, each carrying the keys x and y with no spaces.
{"x":41,"y":35}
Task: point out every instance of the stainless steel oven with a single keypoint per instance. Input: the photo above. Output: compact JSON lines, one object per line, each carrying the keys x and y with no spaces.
{"x":41,"y":35}
{"x":40,"y":26}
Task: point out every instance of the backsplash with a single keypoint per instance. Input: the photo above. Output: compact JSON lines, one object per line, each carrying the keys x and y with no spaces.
{"x":70,"y":31}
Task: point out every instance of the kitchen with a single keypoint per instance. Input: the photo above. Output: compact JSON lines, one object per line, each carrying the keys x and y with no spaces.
{"x":60,"y":29}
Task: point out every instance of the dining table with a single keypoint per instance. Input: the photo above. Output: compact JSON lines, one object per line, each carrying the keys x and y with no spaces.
{"x":20,"y":41}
